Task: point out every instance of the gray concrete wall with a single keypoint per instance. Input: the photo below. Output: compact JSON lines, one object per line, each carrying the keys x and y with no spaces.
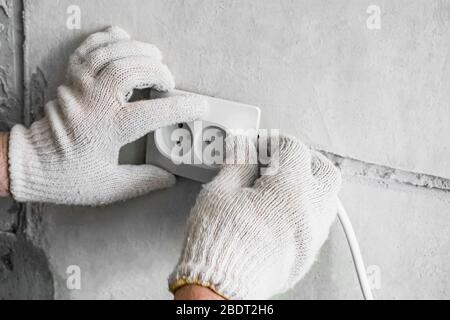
{"x":24,"y":266}
{"x":375,"y":100}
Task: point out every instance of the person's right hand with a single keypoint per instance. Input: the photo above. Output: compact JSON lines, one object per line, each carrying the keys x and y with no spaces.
{"x":252,"y":238}
{"x":71,"y":155}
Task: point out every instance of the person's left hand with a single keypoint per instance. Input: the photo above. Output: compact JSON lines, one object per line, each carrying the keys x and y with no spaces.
{"x":71,"y":155}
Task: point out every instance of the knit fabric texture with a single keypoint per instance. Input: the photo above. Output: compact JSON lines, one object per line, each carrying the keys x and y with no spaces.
{"x":251,"y":237}
{"x":71,"y":155}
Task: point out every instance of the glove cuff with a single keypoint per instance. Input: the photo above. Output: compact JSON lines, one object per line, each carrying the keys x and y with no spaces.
{"x":27,"y":178}
{"x":178,"y":284}
{"x":210,"y":276}
{"x":221,"y":254}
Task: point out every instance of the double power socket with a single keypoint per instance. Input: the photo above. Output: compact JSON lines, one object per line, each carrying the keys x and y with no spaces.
{"x":193,"y":150}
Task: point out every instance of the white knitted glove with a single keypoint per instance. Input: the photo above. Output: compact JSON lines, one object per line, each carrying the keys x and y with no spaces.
{"x":250,"y":239}
{"x":71,"y":155}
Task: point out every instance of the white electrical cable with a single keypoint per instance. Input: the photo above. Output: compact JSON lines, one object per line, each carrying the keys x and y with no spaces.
{"x":356,"y":252}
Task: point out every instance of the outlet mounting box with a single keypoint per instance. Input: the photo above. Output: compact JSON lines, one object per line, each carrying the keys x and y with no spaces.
{"x":181,"y":148}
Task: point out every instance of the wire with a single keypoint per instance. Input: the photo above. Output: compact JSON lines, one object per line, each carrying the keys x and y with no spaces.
{"x":356,"y":252}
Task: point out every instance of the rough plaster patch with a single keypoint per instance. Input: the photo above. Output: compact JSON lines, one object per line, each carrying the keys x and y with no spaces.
{"x":31,"y":223}
{"x":36,"y":92}
{"x":10,"y":106}
{"x":353,"y":167}
{"x":9,"y":116}
{"x":6,"y":7}
{"x":25,"y":272}
{"x":24,"y":269}
{"x":3,"y":92}
{"x":9,"y":217}
{"x":6,"y":264}
{"x":5,"y":251}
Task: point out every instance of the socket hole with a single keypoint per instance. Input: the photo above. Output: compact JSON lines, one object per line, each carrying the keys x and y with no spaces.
{"x":209,"y":141}
{"x":175,"y":141}
{"x":213,"y":145}
{"x":215,"y":153}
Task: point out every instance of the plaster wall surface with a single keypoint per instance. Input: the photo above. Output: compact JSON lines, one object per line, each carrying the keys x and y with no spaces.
{"x":128,"y":250}
{"x":314,"y":67}
{"x":317,"y":71}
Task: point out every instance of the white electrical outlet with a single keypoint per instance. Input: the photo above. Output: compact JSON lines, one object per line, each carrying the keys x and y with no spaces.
{"x":192,"y":150}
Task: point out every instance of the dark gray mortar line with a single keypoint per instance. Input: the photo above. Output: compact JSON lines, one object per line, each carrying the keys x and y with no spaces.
{"x":358,"y":168}
{"x":20,"y":42}
{"x":19,"y":34}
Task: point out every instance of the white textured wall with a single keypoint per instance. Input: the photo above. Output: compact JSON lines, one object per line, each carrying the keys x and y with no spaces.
{"x":317,"y":71}
{"x":314,"y":67}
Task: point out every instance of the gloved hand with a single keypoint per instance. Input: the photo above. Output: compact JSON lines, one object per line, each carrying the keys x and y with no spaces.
{"x":250,"y":239}
{"x":71,"y":155}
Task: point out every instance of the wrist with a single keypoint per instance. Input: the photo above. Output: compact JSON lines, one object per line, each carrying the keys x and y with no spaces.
{"x":196,"y":292}
{"x":4,"y":174}
{"x":31,"y":153}
{"x":188,"y":286}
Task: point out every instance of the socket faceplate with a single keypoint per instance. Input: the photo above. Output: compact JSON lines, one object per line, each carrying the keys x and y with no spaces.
{"x":166,"y":147}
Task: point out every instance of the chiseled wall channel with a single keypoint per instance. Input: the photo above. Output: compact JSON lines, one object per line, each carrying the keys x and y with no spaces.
{"x":375,"y":100}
